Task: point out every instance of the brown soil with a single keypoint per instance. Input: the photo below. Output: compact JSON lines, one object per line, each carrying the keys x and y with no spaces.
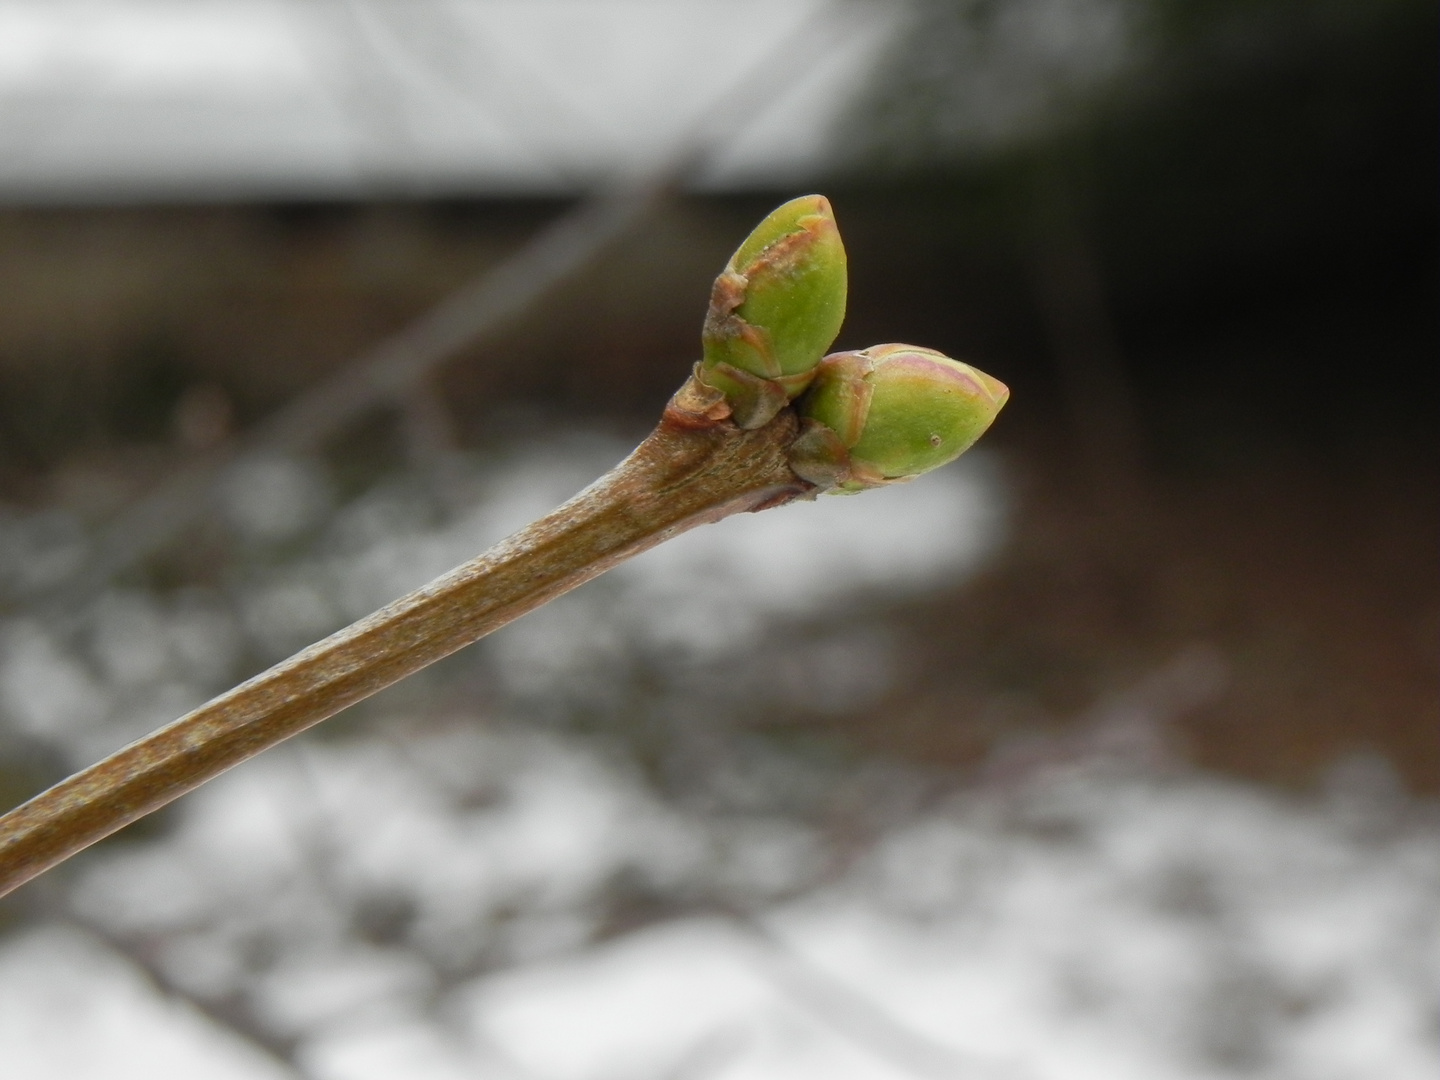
{"x":1311,"y":593}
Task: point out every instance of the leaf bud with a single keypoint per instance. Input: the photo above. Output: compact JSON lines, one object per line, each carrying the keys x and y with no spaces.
{"x":896,"y":410}
{"x":775,"y":309}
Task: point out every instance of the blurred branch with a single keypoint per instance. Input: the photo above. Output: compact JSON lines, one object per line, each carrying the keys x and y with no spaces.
{"x":378,"y":377}
{"x":48,"y":904}
{"x":860,"y":1019}
{"x":429,"y":46}
{"x":367,"y":89}
{"x":228,"y":1015}
{"x":696,"y":467}
{"x":387,"y":373}
{"x":708,"y":1056}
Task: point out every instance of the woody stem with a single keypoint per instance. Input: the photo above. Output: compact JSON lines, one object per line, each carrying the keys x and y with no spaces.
{"x":695,"y":467}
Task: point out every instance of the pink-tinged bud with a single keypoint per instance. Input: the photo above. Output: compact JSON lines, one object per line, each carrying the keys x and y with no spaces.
{"x":898,"y":411}
{"x":776,"y":308}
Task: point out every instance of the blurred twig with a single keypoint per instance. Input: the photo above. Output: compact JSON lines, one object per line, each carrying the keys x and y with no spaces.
{"x":708,"y":1056}
{"x":228,"y":1015}
{"x":388,"y":372}
{"x":388,"y":51}
{"x":860,"y":1019}
{"x":380,"y":376}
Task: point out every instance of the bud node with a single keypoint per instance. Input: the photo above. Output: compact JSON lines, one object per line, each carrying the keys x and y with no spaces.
{"x":753,"y":401}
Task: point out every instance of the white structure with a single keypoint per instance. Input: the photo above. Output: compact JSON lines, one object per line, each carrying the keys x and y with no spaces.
{"x":337,"y":98}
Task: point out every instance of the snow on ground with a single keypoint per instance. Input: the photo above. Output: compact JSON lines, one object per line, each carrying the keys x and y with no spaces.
{"x":446,"y":893}
{"x":1087,"y":923}
{"x":69,"y":1007}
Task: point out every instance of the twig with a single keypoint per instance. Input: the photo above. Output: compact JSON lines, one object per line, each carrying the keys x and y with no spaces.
{"x":724,"y":445}
{"x":866,"y":1023}
{"x":694,"y":468}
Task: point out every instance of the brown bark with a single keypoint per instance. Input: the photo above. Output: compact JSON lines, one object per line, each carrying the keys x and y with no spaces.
{"x":695,"y":467}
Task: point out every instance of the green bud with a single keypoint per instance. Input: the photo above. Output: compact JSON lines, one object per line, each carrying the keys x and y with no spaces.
{"x":897,"y":410}
{"x":776,"y":307}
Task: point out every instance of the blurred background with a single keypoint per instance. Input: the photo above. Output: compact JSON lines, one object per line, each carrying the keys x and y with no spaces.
{"x":1111,"y":750}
